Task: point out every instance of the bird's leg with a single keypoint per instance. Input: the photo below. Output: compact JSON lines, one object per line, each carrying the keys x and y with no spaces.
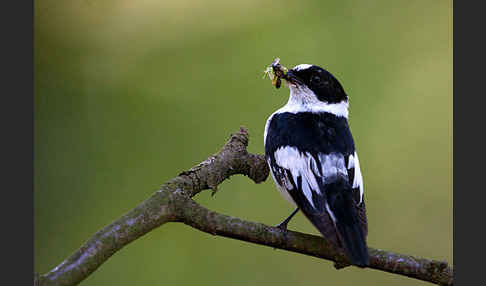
{"x":283,"y":224}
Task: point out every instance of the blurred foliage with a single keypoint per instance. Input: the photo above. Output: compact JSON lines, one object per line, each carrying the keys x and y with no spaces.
{"x":130,"y":93}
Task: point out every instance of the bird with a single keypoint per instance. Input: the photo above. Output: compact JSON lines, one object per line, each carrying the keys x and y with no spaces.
{"x":312,"y":159}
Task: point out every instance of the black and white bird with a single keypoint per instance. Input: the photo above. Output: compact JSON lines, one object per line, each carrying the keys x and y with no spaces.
{"x":312,"y":158}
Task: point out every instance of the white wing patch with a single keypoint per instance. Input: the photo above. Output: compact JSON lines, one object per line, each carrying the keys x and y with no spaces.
{"x":358,"y":178}
{"x":304,"y":165}
{"x":298,"y":163}
{"x":286,"y":185}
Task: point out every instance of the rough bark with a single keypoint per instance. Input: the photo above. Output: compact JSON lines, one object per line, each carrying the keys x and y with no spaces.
{"x":174,"y":203}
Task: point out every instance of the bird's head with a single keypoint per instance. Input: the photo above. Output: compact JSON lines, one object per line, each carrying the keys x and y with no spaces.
{"x":306,"y":80}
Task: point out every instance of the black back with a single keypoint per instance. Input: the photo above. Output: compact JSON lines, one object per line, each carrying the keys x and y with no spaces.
{"x":310,"y":132}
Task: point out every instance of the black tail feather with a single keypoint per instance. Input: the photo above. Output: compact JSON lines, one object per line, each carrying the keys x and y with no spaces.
{"x":351,"y":234}
{"x":345,"y":225}
{"x":354,"y":244}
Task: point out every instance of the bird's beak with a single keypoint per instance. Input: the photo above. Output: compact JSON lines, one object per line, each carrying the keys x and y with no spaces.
{"x":291,"y":78}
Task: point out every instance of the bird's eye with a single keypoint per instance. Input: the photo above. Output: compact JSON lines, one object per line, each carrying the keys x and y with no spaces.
{"x":315,"y":78}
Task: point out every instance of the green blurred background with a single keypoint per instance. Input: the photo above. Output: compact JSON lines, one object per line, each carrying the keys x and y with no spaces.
{"x":130,"y":93}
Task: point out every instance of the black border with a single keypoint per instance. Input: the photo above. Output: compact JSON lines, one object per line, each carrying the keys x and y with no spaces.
{"x":468,"y":155}
{"x":18,"y":122}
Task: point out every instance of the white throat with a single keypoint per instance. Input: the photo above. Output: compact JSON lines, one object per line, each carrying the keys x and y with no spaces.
{"x":302,"y":99}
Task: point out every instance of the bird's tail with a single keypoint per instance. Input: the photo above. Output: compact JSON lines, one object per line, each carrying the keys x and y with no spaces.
{"x":342,"y":209}
{"x":354,"y":244}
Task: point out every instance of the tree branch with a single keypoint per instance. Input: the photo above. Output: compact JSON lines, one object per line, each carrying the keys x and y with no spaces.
{"x":173,"y":203}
